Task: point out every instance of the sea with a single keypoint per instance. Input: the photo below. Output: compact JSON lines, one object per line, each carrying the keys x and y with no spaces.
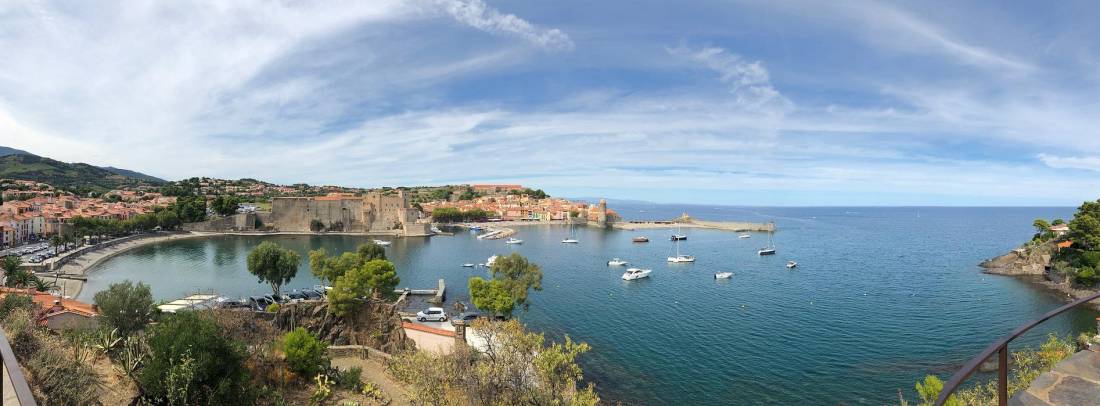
{"x":881,"y":296}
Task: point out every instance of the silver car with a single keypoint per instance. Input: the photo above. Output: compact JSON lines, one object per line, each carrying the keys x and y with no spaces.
{"x":432,"y":314}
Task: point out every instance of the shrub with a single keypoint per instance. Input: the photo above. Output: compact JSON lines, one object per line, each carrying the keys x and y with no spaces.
{"x":272,"y":308}
{"x":350,"y":379}
{"x":1086,"y":276}
{"x":219,"y":374}
{"x":63,"y":379}
{"x":125,"y":306}
{"x":305,"y":354}
{"x":12,"y":302}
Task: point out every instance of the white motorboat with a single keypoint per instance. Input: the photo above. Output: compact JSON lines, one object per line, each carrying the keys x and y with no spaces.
{"x":467,"y":265}
{"x":744,"y":236}
{"x":513,"y":241}
{"x":635,"y":273}
{"x":491,"y":260}
{"x":791,"y":264}
{"x":723,"y":275}
{"x":681,"y":258}
{"x":617,"y":262}
{"x":383,"y":243}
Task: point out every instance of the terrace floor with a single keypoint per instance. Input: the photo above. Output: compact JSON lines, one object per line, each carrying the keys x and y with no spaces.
{"x":1074,"y":381}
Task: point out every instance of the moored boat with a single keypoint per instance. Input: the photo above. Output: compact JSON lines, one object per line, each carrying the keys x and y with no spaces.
{"x":791,"y":264}
{"x":641,"y":238}
{"x":467,"y":265}
{"x":636,"y":273}
{"x":743,"y":236}
{"x":617,"y":262}
{"x":383,"y":243}
{"x":723,"y":275}
{"x":681,"y":258}
{"x":513,"y":241}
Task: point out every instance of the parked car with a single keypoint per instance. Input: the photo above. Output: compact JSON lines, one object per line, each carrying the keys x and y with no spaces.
{"x":466,"y":317}
{"x":432,"y":313}
{"x":312,"y":294}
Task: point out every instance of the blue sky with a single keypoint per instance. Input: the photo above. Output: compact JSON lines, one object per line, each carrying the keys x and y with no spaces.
{"x":717,"y":102}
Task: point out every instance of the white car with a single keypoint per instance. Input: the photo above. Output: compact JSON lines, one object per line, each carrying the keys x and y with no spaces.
{"x":432,"y":314}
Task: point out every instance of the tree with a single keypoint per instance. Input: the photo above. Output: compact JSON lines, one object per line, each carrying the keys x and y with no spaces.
{"x":1041,"y":226}
{"x":305,"y":354}
{"x":1085,"y":226}
{"x":125,"y":306}
{"x":381,"y":277}
{"x":225,"y":205}
{"x":273,"y":264}
{"x":518,"y":276}
{"x":319,"y":265}
{"x":1057,"y":222}
{"x":370,"y":251}
{"x":191,"y":356}
{"x":168,"y":220}
{"x":347,"y":290}
{"x":491,"y":296}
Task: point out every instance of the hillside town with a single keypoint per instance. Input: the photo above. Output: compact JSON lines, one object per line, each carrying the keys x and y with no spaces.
{"x":31,"y":211}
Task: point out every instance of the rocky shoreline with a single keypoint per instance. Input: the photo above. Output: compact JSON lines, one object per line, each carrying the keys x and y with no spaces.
{"x":1033,"y":263}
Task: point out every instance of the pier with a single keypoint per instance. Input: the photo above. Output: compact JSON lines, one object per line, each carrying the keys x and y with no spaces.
{"x":688,"y":222}
{"x":438,"y":295}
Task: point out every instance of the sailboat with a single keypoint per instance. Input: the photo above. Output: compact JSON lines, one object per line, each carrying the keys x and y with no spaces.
{"x":768,"y":249}
{"x":679,"y":257}
{"x":572,"y":235}
{"x":678,"y":236}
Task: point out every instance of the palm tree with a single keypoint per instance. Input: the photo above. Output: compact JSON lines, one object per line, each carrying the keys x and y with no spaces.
{"x":55,"y":242}
{"x":18,"y":279}
{"x":41,"y":285}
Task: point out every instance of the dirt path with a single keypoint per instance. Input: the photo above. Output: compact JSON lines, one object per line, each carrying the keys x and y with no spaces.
{"x":375,"y":372}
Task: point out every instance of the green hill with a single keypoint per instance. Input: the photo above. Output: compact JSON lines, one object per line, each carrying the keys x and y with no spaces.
{"x":76,"y":177}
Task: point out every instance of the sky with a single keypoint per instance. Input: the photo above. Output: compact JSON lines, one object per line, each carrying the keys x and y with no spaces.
{"x":715,"y":102}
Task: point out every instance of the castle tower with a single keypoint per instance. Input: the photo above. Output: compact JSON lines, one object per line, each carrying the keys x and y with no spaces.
{"x":601,"y":215}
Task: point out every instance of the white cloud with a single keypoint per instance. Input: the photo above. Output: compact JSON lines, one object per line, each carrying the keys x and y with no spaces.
{"x":749,"y":81}
{"x":1089,"y":163}
{"x":477,"y":14}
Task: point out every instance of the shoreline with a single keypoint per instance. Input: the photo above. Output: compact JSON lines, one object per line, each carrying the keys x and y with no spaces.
{"x":1030,"y":265}
{"x":83,"y":263}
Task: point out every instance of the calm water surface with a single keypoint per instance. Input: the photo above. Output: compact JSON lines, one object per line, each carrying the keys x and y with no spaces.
{"x":881,"y":296}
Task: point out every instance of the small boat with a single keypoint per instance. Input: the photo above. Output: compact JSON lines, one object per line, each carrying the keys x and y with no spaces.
{"x":743,"y":236}
{"x":635,"y":273}
{"x":491,"y":260}
{"x":768,"y":249}
{"x":791,"y":264}
{"x":475,"y":228}
{"x":383,"y":243}
{"x":467,"y":265}
{"x":572,"y":236}
{"x":641,"y":239}
{"x":513,"y":241}
{"x":678,"y":237}
{"x":723,"y":275}
{"x":617,"y":262}
{"x":681,"y":258}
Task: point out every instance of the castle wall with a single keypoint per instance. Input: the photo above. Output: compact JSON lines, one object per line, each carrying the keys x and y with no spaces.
{"x":296,"y":213}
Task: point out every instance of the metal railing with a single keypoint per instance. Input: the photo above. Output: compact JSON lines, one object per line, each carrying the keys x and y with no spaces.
{"x":1001,"y":348}
{"x":14,"y":374}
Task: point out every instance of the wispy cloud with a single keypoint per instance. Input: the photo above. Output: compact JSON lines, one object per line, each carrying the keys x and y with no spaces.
{"x":477,"y":14}
{"x":749,"y":81}
{"x":1089,"y":163}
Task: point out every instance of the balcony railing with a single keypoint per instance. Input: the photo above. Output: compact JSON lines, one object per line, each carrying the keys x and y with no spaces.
{"x":12,"y":373}
{"x":1001,"y":348}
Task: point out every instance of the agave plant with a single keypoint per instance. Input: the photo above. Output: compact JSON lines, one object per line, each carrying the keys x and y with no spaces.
{"x":107,"y":341}
{"x":82,"y":349}
{"x":134,"y":351}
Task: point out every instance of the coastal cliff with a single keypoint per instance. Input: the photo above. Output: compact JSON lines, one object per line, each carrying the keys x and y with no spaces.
{"x":1032,"y":260}
{"x":374,"y":324}
{"x":1035,"y":262}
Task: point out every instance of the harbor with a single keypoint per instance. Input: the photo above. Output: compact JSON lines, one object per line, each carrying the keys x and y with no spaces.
{"x":839,"y":280}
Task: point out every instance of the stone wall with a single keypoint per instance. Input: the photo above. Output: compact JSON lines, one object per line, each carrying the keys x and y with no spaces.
{"x":296,"y":213}
{"x":236,"y":222}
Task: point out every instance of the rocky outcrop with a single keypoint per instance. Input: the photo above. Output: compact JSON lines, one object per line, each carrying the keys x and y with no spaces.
{"x":1032,"y":260}
{"x":373,"y":324}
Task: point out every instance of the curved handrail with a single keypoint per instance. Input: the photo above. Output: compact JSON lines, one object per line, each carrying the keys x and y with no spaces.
{"x":14,"y":374}
{"x":1001,"y":347}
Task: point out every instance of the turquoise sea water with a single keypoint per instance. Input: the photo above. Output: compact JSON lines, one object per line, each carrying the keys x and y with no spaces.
{"x":881,"y":297}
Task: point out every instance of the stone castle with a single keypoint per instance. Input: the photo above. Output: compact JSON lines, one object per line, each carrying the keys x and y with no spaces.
{"x":379,"y":212}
